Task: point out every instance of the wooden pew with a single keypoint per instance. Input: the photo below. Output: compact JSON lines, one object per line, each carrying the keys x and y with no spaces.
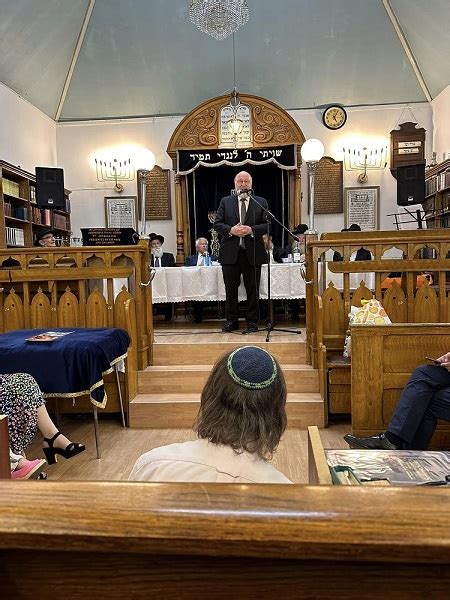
{"x":403,"y":304}
{"x":383,"y":358}
{"x":141,"y":540}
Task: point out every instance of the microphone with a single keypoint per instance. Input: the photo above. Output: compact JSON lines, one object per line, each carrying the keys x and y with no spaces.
{"x":245,"y":192}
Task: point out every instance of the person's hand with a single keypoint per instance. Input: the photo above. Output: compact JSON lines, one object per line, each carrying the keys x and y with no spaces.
{"x":445,"y":361}
{"x":240,"y":230}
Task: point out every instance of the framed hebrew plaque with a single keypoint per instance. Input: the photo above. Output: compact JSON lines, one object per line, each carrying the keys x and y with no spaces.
{"x":328,"y":183}
{"x":121,"y":211}
{"x":362,"y":206}
{"x":158,"y":204}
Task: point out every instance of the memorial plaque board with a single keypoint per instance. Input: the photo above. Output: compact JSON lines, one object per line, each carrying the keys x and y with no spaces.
{"x":158,"y":205}
{"x":362,"y":207}
{"x":328,"y":182}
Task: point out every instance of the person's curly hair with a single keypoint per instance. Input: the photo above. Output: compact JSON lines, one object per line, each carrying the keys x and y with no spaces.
{"x":251,"y":420}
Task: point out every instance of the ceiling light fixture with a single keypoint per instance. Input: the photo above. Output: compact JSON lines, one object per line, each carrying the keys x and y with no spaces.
{"x":219,"y":18}
{"x":235,"y":124}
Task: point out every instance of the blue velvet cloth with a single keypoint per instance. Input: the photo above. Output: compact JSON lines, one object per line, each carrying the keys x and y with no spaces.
{"x":68,"y":366}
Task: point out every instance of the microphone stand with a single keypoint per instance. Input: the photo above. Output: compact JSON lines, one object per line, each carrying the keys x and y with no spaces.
{"x":270,"y":326}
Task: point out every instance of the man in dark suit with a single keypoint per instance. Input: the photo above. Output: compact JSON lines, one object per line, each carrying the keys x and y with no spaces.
{"x":198,"y":260}
{"x":158,"y":258}
{"x":240,"y":221}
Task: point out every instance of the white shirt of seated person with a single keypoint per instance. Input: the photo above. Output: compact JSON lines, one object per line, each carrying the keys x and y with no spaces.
{"x":202,"y":248}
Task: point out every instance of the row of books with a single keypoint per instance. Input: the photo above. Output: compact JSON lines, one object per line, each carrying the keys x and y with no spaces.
{"x":60,"y":221}
{"x":18,"y":212}
{"x":41,"y":216}
{"x":439,"y":182}
{"x":11,"y":188}
{"x":14,"y":236}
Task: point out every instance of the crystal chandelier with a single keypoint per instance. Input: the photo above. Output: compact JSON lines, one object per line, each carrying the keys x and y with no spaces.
{"x":219,"y":18}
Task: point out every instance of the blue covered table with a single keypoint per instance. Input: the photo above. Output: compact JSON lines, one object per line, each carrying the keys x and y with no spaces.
{"x":71,"y":365}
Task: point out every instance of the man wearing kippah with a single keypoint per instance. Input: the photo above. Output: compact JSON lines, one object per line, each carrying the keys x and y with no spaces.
{"x":241,"y":223}
{"x":241,"y":419}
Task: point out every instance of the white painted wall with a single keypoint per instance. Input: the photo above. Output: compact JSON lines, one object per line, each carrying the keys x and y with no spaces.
{"x":78,"y":143}
{"x":27,"y":136}
{"x":369,"y":124}
{"x":441,"y":124}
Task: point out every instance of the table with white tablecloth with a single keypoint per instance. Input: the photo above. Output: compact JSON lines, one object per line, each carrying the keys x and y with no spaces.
{"x":180,"y":284}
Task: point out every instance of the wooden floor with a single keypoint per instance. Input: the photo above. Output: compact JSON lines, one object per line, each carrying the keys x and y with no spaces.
{"x":121,"y":447}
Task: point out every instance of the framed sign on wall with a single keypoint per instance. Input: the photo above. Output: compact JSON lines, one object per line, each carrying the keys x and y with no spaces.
{"x":121,"y":211}
{"x":362,"y":206}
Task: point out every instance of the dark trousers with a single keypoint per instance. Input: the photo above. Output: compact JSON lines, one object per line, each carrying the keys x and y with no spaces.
{"x":424,"y":400}
{"x":232,"y":278}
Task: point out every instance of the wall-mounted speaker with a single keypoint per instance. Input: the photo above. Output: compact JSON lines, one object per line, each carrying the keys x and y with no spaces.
{"x":50,"y":187}
{"x":410,"y":185}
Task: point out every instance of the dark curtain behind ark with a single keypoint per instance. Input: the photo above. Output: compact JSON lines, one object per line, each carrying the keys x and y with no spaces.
{"x":207,"y":185}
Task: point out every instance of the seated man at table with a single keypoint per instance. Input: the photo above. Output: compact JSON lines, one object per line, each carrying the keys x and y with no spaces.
{"x":276,"y":253}
{"x":424,"y":400}
{"x":198,"y":260}
{"x":158,"y":258}
{"x":296,"y":303}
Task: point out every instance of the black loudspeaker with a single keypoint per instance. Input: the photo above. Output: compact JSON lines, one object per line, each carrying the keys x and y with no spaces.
{"x":50,"y":187}
{"x":410,"y":185}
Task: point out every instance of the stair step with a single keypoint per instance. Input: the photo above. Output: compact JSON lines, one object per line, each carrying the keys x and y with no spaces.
{"x":187,"y":354}
{"x":192,"y":378}
{"x":179,"y":410}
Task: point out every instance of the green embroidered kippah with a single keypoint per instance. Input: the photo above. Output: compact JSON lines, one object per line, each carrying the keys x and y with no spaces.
{"x":252,"y":367}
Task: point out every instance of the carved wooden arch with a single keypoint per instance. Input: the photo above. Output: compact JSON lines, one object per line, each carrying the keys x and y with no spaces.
{"x":271,"y":126}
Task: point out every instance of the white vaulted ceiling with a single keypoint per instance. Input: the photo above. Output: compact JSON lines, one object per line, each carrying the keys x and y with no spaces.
{"x":145,"y":58}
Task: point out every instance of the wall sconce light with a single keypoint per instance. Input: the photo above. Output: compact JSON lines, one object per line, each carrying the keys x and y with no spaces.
{"x":312,"y":151}
{"x":365,"y":159}
{"x":115,"y":170}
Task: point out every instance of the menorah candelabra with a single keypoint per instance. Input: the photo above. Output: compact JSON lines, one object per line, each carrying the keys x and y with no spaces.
{"x":115,"y":170}
{"x":215,"y":244}
{"x":365,"y":159}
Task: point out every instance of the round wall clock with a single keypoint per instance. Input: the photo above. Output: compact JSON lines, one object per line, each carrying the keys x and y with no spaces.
{"x":334,"y":117}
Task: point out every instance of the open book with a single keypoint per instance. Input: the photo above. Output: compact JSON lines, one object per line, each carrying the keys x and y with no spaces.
{"x":48,"y":336}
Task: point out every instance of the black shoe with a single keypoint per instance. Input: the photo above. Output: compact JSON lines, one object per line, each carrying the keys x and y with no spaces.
{"x":374,"y":442}
{"x":251,"y":328}
{"x":230,"y":326}
{"x":70,"y":450}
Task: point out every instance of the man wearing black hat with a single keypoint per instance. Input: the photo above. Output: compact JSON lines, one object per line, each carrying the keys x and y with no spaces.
{"x":240,"y":221}
{"x":45,"y":238}
{"x":158,"y":258}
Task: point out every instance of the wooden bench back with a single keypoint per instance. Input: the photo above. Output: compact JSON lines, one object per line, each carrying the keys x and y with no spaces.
{"x":404,"y":304}
{"x":383,"y":358}
{"x":141,"y":540}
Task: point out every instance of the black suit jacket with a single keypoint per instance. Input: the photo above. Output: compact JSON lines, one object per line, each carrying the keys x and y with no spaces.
{"x":166,"y":260}
{"x":227,"y":216}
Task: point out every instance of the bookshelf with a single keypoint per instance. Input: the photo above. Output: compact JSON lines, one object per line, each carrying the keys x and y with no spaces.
{"x":20,"y":218}
{"x":437,"y":195}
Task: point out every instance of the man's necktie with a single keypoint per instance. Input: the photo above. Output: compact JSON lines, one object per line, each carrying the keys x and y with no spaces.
{"x":157,"y":263}
{"x":243,"y":215}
